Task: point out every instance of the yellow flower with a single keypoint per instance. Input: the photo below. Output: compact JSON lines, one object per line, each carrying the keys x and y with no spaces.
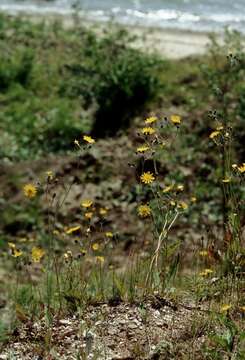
{"x":30,"y":190}
{"x":203,"y":253}
{"x":37,"y":254}
{"x":172,"y":203}
{"x":95,"y":246}
{"x":88,"y":139}
{"x":148,"y":131}
{"x":176,"y":119}
{"x":16,"y":253}
{"x":206,"y":272}
{"x":103,"y":211}
{"x":225,"y":308}
{"x":214,"y":134}
{"x":151,"y":120}
{"x":23,"y":239}
{"x":242,"y":308}
{"x":68,"y":255}
{"x":100,"y":259}
{"x":147,"y":177}
{"x":50,"y":174}
{"x":180,"y":188}
{"x":87,"y":203}
{"x":144,"y":211}
{"x":88,"y":215}
{"x":11,"y":245}
{"x":168,"y":188}
{"x":73,"y":229}
{"x":226,"y":180}
{"x":143,"y":148}
{"x":109,"y":234}
{"x":220,"y":127}
{"x":241,"y":168}
{"x":182,"y":205}
{"x":83,"y":251}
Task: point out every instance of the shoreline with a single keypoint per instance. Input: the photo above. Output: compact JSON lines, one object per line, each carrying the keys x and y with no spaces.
{"x":171,"y":43}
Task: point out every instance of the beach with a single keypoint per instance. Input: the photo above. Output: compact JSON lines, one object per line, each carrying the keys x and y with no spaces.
{"x":170,"y":43}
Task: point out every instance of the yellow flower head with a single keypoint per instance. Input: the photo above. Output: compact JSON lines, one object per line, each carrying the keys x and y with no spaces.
{"x":206,"y":272}
{"x":220,"y":127}
{"x":95,"y":246}
{"x":109,"y":234}
{"x":193,"y":199}
{"x":150,"y":120}
{"x":11,"y":245}
{"x":168,"y":188}
{"x":68,"y":255}
{"x":86,"y":203}
{"x":180,"y":188}
{"x":30,"y":190}
{"x":203,"y":253}
{"x":176,"y":119}
{"x":88,"y":215}
{"x":100,"y":259}
{"x":83,"y":251}
{"x":73,"y":229}
{"x":143,"y":148}
{"x":214,"y":134}
{"x":88,"y":139}
{"x":103,"y":211}
{"x":182,"y":205}
{"x":144,"y":211}
{"x":147,"y":177}
{"x":50,"y":174}
{"x":16,"y":253}
{"x":226,"y":180}
{"x":241,"y":168}
{"x":225,"y":308}
{"x":37,"y":254}
{"x":148,"y":130}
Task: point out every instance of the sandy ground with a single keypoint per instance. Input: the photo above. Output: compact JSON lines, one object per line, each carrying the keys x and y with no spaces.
{"x":172,"y":43}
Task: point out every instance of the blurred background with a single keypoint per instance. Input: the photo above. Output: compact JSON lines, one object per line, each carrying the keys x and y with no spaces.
{"x":198,"y":15}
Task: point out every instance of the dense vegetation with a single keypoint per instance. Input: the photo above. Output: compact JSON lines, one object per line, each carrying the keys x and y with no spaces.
{"x":56,"y":83}
{"x":126,"y":156}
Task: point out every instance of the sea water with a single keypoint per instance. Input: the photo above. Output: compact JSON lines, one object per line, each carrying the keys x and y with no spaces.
{"x":197,"y":15}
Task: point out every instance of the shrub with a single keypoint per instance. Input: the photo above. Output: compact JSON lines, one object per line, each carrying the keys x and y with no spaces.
{"x":118,"y":78}
{"x":15,"y":68}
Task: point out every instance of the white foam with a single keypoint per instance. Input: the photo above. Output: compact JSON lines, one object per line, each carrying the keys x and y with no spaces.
{"x":133,"y":16}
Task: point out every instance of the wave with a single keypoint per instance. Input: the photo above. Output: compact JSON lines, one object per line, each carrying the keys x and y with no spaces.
{"x":152,"y":18}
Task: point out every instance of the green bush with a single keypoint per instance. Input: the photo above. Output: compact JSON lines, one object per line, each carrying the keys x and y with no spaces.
{"x":114,"y":76}
{"x":56,"y":84}
{"x":15,"y":68}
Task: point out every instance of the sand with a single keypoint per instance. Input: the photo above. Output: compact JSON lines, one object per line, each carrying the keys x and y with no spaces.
{"x":170,"y":43}
{"x":173,"y":44}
